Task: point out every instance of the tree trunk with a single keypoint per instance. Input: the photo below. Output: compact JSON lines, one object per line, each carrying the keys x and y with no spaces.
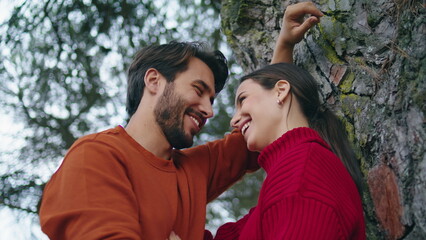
{"x":369,"y":58}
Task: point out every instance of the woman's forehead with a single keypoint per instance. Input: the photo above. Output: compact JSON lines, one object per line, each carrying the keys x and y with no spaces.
{"x":246,"y":84}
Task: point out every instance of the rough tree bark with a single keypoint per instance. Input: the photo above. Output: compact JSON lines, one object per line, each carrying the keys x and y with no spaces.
{"x":369,"y":58}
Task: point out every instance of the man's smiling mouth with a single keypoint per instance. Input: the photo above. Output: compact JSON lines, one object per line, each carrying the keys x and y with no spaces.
{"x":196,"y":121}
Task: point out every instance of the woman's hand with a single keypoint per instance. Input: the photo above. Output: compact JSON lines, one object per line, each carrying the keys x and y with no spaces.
{"x":293,"y":29}
{"x":173,"y":236}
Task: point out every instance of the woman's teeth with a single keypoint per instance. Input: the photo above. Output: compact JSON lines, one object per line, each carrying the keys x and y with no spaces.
{"x":243,"y":130}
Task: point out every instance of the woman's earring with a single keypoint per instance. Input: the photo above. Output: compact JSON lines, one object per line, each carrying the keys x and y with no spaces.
{"x":279,"y":102}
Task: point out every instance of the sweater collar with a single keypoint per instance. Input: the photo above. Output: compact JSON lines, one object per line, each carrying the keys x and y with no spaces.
{"x":275,"y":151}
{"x":159,"y":163}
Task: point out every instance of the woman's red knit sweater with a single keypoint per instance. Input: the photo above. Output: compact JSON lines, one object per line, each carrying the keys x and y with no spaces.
{"x":307,"y":194}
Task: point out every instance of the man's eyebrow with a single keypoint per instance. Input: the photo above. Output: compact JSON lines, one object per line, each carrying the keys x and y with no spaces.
{"x":204,"y":85}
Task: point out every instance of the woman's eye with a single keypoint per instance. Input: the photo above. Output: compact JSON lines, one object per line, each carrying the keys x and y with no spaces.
{"x":241,"y":99}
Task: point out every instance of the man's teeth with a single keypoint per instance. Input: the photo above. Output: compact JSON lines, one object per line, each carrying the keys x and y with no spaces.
{"x":243,"y":130}
{"x":195,"y":120}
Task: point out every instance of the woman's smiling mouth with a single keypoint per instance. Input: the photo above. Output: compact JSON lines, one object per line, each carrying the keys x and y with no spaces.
{"x":245,"y":127}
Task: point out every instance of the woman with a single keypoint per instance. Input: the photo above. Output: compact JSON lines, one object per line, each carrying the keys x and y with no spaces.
{"x":313,"y":184}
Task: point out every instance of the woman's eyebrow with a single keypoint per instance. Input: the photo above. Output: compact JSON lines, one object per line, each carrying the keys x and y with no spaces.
{"x":237,"y":102}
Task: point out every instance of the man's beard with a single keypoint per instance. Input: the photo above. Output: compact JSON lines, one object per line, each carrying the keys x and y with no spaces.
{"x":169,"y":113}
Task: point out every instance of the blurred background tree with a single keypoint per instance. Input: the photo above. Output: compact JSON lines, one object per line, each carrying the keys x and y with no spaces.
{"x":63,"y":70}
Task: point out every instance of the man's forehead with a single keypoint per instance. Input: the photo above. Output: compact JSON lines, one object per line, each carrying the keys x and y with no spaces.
{"x":203,"y":72}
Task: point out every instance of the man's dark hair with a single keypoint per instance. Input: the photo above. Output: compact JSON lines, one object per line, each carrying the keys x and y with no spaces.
{"x":171,"y":59}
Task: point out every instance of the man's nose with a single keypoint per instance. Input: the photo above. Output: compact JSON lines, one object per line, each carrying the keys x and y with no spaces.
{"x":206,"y":108}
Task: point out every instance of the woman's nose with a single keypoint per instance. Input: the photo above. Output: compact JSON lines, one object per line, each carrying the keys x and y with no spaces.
{"x":235,"y":120}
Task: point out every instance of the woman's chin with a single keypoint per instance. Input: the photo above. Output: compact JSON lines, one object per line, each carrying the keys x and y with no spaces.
{"x":252,"y":147}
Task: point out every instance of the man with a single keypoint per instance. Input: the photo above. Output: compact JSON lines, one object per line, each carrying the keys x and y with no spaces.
{"x":134,"y":182}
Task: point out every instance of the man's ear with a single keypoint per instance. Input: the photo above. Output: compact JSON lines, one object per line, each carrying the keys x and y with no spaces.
{"x":152,"y":80}
{"x":282,"y":87}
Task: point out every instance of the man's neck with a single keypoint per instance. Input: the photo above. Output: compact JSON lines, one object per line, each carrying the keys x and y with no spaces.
{"x":144,"y":130}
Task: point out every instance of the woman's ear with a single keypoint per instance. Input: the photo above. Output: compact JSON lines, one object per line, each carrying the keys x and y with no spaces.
{"x":152,"y":80}
{"x":282,"y":87}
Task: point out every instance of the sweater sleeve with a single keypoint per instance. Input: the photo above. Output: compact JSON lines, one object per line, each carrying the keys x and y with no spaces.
{"x":224,"y":162}
{"x":232,"y":230}
{"x":90,"y":197}
{"x":297,"y":217}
